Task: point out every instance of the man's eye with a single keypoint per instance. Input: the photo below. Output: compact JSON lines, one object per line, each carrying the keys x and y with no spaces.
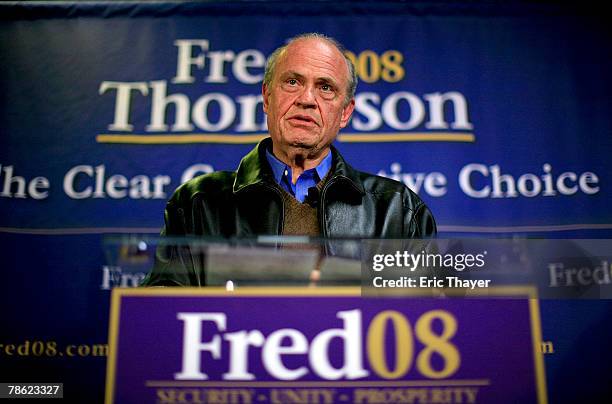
{"x":326,"y":87}
{"x":292,"y":82}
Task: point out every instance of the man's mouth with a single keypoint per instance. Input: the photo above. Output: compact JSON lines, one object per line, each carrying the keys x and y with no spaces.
{"x":303,"y":119}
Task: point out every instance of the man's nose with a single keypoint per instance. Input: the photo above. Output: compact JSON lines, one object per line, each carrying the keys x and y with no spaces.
{"x":306,"y":98}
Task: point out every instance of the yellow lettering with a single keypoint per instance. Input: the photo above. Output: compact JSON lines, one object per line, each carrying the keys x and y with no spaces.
{"x":437,"y":343}
{"x":392,"y":69}
{"x":404,"y":344}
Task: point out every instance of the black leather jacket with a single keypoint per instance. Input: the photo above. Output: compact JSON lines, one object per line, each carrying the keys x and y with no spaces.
{"x":248,"y":202}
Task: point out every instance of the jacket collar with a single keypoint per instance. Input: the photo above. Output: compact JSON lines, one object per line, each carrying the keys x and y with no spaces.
{"x":254,"y":169}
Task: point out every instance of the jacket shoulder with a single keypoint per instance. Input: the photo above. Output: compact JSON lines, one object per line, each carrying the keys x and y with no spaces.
{"x":377,"y":185}
{"x":213,"y":184}
{"x":419,"y":220}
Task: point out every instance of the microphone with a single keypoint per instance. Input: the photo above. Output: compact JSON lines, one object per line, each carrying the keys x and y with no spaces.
{"x":313,"y":197}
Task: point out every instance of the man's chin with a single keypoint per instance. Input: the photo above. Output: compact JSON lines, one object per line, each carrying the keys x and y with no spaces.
{"x":304,"y":149}
{"x":303,"y":145}
{"x":303,"y":142}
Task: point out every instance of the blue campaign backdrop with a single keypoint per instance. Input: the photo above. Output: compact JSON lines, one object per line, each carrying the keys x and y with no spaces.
{"x":496,"y":114}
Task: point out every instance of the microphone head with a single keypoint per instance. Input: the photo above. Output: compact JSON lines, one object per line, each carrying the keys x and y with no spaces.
{"x":313,"y":196}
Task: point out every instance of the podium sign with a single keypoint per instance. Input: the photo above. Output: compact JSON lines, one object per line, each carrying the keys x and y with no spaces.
{"x":324,"y":345}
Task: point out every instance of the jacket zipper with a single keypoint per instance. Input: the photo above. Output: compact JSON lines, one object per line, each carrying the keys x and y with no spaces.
{"x":280,"y":197}
{"x":322,"y":207}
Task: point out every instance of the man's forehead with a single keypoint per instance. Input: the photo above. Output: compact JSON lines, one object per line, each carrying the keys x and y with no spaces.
{"x":313,"y":47}
{"x":312,"y":42}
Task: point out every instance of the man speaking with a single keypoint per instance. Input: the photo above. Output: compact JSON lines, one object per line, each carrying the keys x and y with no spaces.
{"x":294,"y":182}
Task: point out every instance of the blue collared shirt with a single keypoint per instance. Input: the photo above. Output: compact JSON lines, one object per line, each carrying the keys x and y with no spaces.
{"x":308,"y":179}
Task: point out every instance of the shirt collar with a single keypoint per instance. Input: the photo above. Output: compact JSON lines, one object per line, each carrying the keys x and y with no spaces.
{"x":278,"y":167}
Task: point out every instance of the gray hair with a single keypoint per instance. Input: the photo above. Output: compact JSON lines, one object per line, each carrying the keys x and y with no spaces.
{"x":273,"y":60}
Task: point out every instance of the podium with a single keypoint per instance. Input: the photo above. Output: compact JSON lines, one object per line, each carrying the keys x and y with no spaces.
{"x":300,"y":339}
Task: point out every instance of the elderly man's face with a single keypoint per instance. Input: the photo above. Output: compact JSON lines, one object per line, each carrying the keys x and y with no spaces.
{"x":306,"y":97}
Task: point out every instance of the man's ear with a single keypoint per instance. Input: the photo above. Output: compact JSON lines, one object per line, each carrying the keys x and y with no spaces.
{"x":346,"y":113}
{"x":264,"y":94}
